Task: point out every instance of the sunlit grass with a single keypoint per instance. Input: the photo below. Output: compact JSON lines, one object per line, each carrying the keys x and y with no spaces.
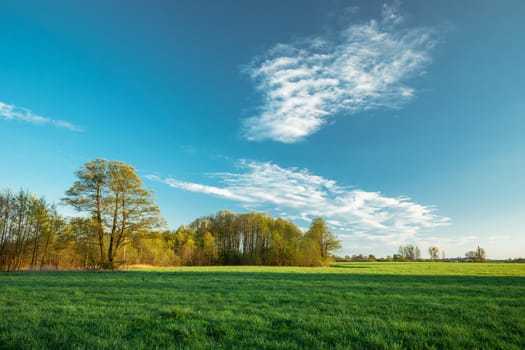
{"x":396,"y":268}
{"x":361,"y":305}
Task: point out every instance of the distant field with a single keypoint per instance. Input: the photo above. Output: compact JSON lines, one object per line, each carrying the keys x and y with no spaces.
{"x":348,"y":306}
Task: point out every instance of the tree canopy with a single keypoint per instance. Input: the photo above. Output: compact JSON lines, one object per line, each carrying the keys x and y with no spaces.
{"x":117,"y":206}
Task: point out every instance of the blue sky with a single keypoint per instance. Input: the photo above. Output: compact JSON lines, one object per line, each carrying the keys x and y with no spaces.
{"x":397,"y":122}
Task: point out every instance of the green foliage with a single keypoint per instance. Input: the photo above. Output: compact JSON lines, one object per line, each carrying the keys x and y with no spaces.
{"x":318,"y":243}
{"x":226,"y":238}
{"x":118,"y":229}
{"x":398,"y":257}
{"x":32,"y":234}
{"x":253,"y":238}
{"x":153,"y":248}
{"x":113,"y":197}
{"x":351,"y":306}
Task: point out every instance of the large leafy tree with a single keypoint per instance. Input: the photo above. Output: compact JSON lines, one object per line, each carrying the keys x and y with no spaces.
{"x":116,"y":203}
{"x":319,"y":241}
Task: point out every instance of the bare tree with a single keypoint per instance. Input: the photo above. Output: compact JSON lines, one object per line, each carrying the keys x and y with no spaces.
{"x":433,"y":251}
{"x":476,"y":255}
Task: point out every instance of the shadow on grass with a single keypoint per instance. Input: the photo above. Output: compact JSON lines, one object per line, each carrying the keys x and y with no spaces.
{"x":350,"y":266}
{"x":264,"y":282}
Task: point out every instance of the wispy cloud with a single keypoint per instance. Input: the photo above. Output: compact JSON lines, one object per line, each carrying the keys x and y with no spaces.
{"x":12,"y":112}
{"x":195,"y":187}
{"x":306,"y":82}
{"x":303,"y":196}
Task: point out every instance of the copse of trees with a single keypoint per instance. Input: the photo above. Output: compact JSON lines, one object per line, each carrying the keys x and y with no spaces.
{"x":226,"y":238}
{"x":412,"y":252}
{"x":32,"y":234}
{"x":478,"y":255}
{"x":248,"y":239}
{"x":408,"y":252}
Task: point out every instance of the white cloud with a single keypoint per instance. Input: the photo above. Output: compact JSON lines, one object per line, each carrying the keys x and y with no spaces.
{"x":364,"y":67}
{"x":303,"y":196}
{"x":11,"y":112}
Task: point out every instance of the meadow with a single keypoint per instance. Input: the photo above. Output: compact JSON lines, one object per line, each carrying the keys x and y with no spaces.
{"x":346,"y":306}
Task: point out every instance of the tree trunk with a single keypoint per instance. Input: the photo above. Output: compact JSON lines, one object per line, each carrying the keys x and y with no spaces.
{"x":45,"y":252}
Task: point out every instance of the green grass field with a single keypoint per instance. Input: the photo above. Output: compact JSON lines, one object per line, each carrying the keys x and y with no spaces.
{"x":348,"y":306}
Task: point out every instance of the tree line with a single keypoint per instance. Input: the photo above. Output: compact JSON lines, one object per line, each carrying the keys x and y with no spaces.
{"x":119,"y":223}
{"x":253,"y":238}
{"x":32,"y":234}
{"x":411,"y":253}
